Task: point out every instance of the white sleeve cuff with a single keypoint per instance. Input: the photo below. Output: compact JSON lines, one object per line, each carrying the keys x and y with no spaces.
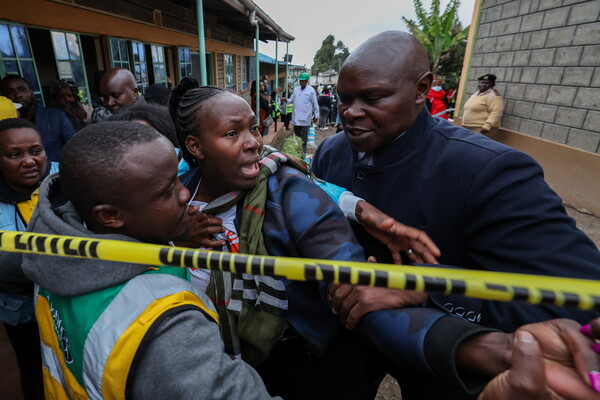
{"x":347,"y":202}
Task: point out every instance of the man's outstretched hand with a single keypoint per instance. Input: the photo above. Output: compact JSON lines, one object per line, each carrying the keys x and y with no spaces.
{"x":397,"y":236}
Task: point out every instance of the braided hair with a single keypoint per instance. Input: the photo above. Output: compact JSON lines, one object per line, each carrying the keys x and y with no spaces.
{"x":187,"y":99}
{"x":64,"y":83}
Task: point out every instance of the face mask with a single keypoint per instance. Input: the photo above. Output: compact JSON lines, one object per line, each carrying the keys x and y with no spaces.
{"x":436,"y":88}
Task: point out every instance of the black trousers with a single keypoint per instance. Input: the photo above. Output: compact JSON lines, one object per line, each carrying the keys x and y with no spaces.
{"x":25,"y":340}
{"x":302,"y":131}
{"x":285,"y":118}
{"x":344,"y":372}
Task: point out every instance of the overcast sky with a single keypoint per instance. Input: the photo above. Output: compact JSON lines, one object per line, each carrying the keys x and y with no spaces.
{"x":351,"y":21}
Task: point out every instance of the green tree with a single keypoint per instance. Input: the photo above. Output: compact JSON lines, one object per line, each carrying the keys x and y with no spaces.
{"x":438,"y":33}
{"x":329,"y":56}
{"x":451,"y":64}
{"x":340,"y":56}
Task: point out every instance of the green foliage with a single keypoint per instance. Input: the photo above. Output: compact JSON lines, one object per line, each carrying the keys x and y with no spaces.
{"x":451,"y":64}
{"x":329,"y":56}
{"x":340,"y":56}
{"x":293,"y":146}
{"x":439,"y":34}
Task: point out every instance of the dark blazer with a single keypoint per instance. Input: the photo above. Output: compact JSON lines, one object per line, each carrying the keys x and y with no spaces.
{"x":55,"y":128}
{"x":486,"y":205}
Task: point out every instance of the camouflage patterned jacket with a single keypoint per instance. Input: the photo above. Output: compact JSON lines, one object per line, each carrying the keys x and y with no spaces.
{"x":302,"y":221}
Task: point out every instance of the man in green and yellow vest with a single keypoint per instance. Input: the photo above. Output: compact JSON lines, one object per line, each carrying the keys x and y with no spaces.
{"x":111,"y":330}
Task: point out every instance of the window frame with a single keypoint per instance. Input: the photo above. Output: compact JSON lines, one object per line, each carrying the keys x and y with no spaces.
{"x":245,"y":73}
{"x":37,"y":89}
{"x":81,"y":85}
{"x":120,"y":63}
{"x":156,"y":62}
{"x":229,"y":81}
{"x":185,"y":67}
{"x":142,"y":81}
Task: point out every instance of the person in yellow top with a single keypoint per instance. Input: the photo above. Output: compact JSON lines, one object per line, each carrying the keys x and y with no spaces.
{"x":484,"y":108}
{"x":8,"y":109}
{"x":23,"y":165}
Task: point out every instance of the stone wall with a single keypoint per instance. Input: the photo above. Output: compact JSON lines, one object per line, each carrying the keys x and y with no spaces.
{"x":546,"y":55}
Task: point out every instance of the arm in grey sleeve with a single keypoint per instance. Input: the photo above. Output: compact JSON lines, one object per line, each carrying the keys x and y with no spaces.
{"x":184,"y":359}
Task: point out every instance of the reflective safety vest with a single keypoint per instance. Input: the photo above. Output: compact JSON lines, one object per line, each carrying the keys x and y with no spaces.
{"x":275,"y":110}
{"x":289,"y":108}
{"x":89,"y":342}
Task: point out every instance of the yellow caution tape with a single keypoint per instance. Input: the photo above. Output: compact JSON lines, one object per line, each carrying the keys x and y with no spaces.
{"x":535,"y":289}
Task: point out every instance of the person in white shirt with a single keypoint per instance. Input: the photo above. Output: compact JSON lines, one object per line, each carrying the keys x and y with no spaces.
{"x":306,"y":108}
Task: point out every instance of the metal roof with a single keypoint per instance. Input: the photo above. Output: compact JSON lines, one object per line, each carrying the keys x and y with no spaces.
{"x":237,"y":14}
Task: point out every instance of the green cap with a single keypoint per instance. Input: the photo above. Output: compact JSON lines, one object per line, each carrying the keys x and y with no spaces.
{"x":304,"y":77}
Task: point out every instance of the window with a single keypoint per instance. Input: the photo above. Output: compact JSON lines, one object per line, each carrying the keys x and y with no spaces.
{"x":229,"y":72}
{"x":69,"y":60}
{"x":16,"y":57}
{"x":185,"y":62}
{"x":244,"y":73}
{"x":252,"y":61}
{"x":196,"y":68}
{"x":119,"y":56}
{"x":210,"y":73}
{"x":158,"y":64}
{"x":140,"y":69}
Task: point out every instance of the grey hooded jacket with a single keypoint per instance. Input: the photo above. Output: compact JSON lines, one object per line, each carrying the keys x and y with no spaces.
{"x":184,"y":358}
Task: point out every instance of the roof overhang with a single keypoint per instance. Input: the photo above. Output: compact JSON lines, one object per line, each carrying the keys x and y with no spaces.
{"x":242,"y":15}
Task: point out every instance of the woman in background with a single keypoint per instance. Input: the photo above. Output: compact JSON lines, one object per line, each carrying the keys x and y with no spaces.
{"x":23,"y":165}
{"x":483,"y":110}
{"x":265,"y":108}
{"x":325,"y":103}
{"x":65,"y":96}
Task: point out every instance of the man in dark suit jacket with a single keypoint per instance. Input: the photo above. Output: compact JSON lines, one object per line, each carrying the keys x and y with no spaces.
{"x":485,"y":205}
{"x":54,"y":125}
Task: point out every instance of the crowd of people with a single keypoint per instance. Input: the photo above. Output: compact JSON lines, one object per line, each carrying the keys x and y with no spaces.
{"x":195,"y":173}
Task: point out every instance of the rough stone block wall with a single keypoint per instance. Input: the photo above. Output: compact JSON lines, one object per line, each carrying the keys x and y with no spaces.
{"x":546,"y":55}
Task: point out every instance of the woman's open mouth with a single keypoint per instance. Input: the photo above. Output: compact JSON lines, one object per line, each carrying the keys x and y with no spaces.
{"x":251,"y":169}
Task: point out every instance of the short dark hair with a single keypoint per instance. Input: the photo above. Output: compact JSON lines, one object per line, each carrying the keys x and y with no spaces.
{"x":157,"y":94}
{"x":157,"y":116}
{"x":187,"y":99}
{"x":91,"y":162}
{"x":9,"y":78}
{"x":16,"y":123}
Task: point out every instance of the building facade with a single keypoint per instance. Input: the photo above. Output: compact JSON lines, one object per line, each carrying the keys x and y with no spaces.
{"x":546,"y":56}
{"x":46,"y":40}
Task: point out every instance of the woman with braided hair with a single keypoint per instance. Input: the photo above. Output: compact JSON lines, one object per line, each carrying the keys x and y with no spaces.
{"x":264,"y":202}
{"x":255,"y":200}
{"x":265,"y":107}
{"x":65,"y":97}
